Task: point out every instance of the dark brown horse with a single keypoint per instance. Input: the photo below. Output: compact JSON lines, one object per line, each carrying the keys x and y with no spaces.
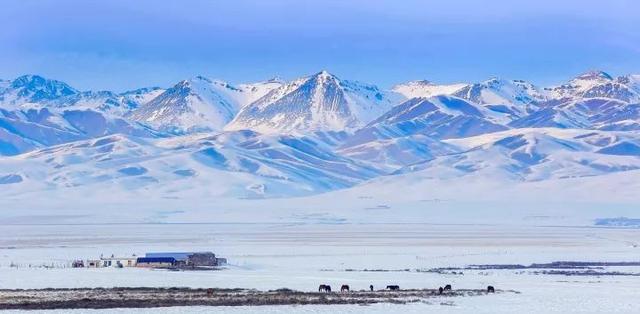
{"x":324,"y":288}
{"x":491,"y":289}
{"x":393,"y":287}
{"x":344,"y":288}
{"x":371,"y":287}
{"x":440,"y":290}
{"x":447,"y":287}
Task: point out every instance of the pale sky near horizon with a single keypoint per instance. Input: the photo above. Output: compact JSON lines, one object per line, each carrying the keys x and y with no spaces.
{"x":120,"y":45}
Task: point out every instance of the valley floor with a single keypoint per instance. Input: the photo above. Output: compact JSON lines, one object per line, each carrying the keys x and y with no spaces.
{"x":301,"y":256}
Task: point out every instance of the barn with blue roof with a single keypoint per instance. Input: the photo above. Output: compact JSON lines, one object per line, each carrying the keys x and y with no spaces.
{"x":156,"y":262}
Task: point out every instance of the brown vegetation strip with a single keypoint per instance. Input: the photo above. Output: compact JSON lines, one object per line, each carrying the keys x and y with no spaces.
{"x":102,"y":298}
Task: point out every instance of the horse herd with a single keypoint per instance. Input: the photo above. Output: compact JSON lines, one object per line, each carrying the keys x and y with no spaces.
{"x":346,"y":288}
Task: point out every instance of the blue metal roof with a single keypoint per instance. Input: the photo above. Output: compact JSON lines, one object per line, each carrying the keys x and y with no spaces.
{"x":177,"y":255}
{"x":156,"y":260}
{"x":180,"y":256}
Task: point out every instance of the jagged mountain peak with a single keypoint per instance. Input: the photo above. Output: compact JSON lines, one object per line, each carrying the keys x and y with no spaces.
{"x":422,"y":82}
{"x":201,"y":78}
{"x":319,"y":102}
{"x":594,"y":75}
{"x":598,"y":84}
{"x":34,"y":88}
{"x":37,"y":81}
{"x":415,"y":83}
{"x":493,"y":80}
{"x":324,"y":74}
{"x":508,"y":99}
{"x":426,"y":88}
{"x":192,"y":82}
{"x":198,"y":104}
{"x":323,"y":77}
{"x":189,"y":106}
{"x":141,"y":90}
{"x":200,"y":84}
{"x":275,"y":79}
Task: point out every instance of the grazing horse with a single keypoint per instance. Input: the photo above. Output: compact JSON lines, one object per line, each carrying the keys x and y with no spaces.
{"x":344,"y":288}
{"x":447,"y":287}
{"x":209,"y":292}
{"x":491,"y":289}
{"x":371,"y":287}
{"x":440,"y":290}
{"x":393,"y":287}
{"x":324,"y":288}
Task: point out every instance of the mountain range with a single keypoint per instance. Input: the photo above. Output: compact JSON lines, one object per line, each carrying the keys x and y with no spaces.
{"x":313,"y":134}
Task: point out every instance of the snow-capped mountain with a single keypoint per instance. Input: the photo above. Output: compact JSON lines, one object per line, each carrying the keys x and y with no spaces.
{"x":426,"y":89}
{"x":36,"y":92}
{"x":438,"y":117}
{"x":412,"y":131}
{"x":598,"y":84}
{"x":102,"y":101}
{"x":320,"y":102}
{"x":593,"y":100}
{"x":313,"y":134}
{"x":198,"y":104}
{"x":508,"y":99}
{"x":36,"y":112}
{"x":191,"y":105}
{"x":32,"y":89}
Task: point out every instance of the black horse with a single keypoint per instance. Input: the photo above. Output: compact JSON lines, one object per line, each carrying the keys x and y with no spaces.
{"x":344,"y":288}
{"x":447,"y":287}
{"x":371,"y":287}
{"x":491,"y":289}
{"x":440,"y":290}
{"x":324,"y":288}
{"x":393,"y":287}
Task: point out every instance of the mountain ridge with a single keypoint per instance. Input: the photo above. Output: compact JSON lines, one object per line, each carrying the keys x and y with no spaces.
{"x":313,"y":134}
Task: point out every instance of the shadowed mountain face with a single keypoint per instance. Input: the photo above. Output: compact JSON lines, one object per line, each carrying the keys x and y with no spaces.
{"x":33,"y":89}
{"x":438,"y":117}
{"x":313,"y":134}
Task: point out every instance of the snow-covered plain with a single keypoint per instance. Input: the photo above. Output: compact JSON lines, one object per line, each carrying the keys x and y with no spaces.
{"x":409,"y":221}
{"x":302,"y":255}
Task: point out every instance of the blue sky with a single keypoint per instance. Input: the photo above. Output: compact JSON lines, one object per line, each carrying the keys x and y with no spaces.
{"x":121,"y":45}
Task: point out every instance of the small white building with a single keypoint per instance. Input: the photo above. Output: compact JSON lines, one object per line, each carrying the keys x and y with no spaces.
{"x":118,"y":262}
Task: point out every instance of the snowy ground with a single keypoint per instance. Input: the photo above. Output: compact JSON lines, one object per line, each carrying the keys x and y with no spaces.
{"x":299,"y":243}
{"x":302,"y":255}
